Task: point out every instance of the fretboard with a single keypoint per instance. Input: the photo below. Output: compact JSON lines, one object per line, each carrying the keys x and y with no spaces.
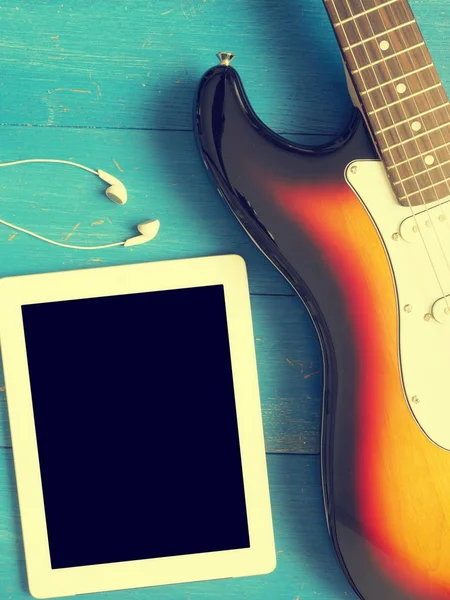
{"x":401,"y":94}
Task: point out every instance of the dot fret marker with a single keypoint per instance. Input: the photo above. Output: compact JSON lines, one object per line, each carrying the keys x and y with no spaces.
{"x":401,"y":93}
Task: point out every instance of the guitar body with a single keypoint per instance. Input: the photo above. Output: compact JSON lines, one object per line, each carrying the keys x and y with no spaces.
{"x":386,"y":483}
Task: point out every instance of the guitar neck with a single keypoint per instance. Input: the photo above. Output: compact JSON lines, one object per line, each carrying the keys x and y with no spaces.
{"x":401,"y":94}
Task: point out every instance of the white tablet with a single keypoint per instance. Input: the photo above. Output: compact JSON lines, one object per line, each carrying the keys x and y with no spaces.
{"x":136,"y":425}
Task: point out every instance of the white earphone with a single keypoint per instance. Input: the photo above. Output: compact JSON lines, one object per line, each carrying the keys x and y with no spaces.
{"x":116,"y":192}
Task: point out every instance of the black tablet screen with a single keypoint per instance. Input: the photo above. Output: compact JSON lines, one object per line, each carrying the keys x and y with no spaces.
{"x":136,"y":426}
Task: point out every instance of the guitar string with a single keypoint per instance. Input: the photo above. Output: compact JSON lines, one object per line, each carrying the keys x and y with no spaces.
{"x":414,"y":139}
{"x":395,"y":127}
{"x":444,"y":106}
{"x":414,"y":99}
{"x":383,"y":133}
{"x":445,"y":179}
{"x":363,"y":83}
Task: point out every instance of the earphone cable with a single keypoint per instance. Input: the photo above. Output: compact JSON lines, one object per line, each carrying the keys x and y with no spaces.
{"x":63,"y":245}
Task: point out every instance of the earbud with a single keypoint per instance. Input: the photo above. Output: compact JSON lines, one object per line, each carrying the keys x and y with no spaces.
{"x":115,"y":192}
{"x":147,"y":229}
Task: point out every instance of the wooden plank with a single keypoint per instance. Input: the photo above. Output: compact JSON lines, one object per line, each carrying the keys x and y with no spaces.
{"x":165,"y":179}
{"x":66,"y":204}
{"x":137,"y":64}
{"x":306,"y":570}
{"x":290,"y":376}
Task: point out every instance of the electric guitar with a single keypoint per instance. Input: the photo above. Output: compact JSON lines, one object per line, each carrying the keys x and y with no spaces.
{"x":361,"y":230}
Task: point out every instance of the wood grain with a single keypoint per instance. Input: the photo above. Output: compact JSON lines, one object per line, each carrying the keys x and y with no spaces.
{"x":136,"y":64}
{"x":65,"y":204}
{"x":111,"y":84}
{"x":164,"y":177}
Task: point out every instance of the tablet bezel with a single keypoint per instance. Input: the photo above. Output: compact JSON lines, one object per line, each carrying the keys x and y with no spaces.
{"x":229,"y":271}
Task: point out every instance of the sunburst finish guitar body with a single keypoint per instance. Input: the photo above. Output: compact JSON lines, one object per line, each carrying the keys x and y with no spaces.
{"x":361,"y":230}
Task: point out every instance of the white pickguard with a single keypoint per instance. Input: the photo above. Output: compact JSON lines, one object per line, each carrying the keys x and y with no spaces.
{"x":415,"y":238}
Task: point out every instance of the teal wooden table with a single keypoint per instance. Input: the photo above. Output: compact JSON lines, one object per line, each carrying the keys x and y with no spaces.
{"x":110,"y":84}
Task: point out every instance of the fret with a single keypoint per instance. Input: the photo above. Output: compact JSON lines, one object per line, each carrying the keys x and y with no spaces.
{"x":376,"y":36}
{"x":391,"y":81}
{"x":401,"y":93}
{"x":372,"y":49}
{"x":365,"y":12}
{"x":384,"y":60}
{"x":439,"y":129}
{"x":402,"y":87}
{"x":363,"y":26}
{"x":430,"y":170}
{"x":424,"y":146}
{"x":429,"y":187}
{"x":410,"y":108}
{"x":410,"y":189}
{"x":387,"y":106}
{"x":385,"y":71}
{"x":414,"y":166}
{"x":421,"y":156}
{"x":433,"y":113}
{"x":440,"y":191}
{"x":414,"y":130}
{"x":417,"y":189}
{"x":424,"y":182}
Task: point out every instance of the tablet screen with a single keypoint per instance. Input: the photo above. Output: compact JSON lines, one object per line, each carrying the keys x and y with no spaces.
{"x":136,"y":426}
